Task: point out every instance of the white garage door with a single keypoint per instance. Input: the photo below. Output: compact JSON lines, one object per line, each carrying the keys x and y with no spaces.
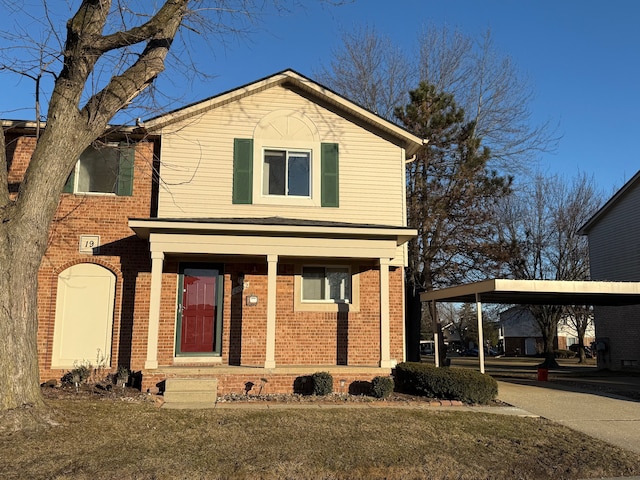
{"x":84,"y":315}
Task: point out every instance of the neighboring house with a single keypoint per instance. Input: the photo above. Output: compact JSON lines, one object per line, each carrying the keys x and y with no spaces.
{"x":614,"y":255}
{"x":520,"y":334}
{"x":271,"y":245}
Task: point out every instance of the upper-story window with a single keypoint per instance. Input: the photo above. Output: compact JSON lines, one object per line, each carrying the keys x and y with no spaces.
{"x":286,"y":163}
{"x":287,"y":173}
{"x":107,"y":169}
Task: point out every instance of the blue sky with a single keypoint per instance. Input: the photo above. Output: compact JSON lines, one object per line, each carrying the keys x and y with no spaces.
{"x":581,"y":56}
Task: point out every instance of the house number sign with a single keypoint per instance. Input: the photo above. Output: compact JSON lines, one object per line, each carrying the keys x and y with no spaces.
{"x":89,"y":243}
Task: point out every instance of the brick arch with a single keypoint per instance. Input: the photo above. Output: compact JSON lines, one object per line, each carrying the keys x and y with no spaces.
{"x":98,"y":261}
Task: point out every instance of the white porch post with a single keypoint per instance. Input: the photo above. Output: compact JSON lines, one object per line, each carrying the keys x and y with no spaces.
{"x":385,"y":334}
{"x":480,"y":334}
{"x":272,"y":273}
{"x":157,"y":259}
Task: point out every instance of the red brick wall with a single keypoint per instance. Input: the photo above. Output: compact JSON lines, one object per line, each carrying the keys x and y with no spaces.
{"x":121,"y":251}
{"x":302,"y":338}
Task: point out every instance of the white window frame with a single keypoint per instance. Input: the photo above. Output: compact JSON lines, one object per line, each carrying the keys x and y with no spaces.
{"x":327,"y":306}
{"x":288,"y":151}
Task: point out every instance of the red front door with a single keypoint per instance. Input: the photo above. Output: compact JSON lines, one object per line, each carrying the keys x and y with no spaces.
{"x":199,"y":311}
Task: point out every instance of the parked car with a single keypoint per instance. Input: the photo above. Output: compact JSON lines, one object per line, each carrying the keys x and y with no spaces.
{"x":473,"y":352}
{"x":469,"y":352}
{"x":427,"y":347}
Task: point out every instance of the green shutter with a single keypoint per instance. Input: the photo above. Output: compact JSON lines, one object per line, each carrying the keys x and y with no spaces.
{"x":125,"y":169}
{"x":329,"y":175}
{"x":243,"y":170}
{"x":68,"y":187}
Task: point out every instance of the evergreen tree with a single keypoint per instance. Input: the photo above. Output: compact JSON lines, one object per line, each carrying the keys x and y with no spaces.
{"x":451,"y":193}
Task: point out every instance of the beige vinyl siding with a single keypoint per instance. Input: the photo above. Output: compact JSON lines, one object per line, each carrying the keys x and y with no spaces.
{"x":614,"y":242}
{"x":197,"y":167}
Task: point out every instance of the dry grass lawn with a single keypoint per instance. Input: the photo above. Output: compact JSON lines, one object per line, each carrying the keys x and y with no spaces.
{"x":127,"y":440}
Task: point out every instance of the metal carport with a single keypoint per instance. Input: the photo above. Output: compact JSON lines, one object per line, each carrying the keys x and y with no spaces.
{"x":529,"y":292}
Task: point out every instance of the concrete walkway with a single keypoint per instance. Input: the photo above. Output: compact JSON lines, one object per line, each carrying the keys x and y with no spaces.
{"x":611,"y":418}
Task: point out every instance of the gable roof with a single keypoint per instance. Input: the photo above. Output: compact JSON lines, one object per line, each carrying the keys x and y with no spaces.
{"x":626,"y":188}
{"x":410,"y":142}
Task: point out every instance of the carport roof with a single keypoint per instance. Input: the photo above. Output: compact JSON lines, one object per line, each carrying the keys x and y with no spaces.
{"x":540,"y":292}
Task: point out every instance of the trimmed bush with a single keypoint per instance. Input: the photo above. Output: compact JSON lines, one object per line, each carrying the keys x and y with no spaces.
{"x":423,"y":379}
{"x":382,"y":387}
{"x":322,"y":383}
{"x":360,"y":387}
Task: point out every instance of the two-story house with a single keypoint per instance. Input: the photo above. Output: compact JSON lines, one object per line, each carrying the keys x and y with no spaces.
{"x":614,"y":255}
{"x":252,"y":238}
{"x":520,"y":334}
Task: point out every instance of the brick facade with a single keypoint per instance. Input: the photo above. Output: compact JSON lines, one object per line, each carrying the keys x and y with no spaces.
{"x":302,"y":338}
{"x":121,"y":252}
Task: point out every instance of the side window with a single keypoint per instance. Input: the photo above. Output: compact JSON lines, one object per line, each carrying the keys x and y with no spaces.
{"x":104,"y":170}
{"x":97,"y":170}
{"x":326,"y":284}
{"x":286,"y":173}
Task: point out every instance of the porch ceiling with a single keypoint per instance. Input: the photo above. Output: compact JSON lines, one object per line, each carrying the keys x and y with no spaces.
{"x":540,"y":292}
{"x":273,"y":235}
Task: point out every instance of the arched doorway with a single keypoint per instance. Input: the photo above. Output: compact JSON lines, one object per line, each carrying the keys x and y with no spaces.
{"x":84,"y":316}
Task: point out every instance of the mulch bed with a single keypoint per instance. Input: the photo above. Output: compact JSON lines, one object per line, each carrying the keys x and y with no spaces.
{"x":127,"y":394}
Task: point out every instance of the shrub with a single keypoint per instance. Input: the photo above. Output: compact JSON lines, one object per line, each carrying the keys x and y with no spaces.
{"x":360,"y":387}
{"x":322,"y":383}
{"x":303,"y":385}
{"x":79,"y":374}
{"x":382,"y":387}
{"x":468,"y":386}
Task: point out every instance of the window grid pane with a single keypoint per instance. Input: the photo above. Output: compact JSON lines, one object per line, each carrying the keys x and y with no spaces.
{"x":298,"y":174}
{"x":274,"y":172}
{"x":313,"y":283}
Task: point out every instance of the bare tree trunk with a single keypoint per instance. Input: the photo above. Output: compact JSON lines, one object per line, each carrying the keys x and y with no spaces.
{"x":25,"y":220}
{"x":19,"y":262}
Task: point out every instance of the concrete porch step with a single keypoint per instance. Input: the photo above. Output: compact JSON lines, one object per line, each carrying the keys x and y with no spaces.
{"x":190,"y":393}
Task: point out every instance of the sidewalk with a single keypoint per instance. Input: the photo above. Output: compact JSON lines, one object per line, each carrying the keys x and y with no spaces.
{"x":611,"y":418}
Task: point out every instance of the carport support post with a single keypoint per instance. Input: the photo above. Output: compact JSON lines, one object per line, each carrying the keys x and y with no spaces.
{"x":480,"y":333}
{"x":436,"y":339}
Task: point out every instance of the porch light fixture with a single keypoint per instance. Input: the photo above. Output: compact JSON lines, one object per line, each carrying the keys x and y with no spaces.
{"x":251,"y":300}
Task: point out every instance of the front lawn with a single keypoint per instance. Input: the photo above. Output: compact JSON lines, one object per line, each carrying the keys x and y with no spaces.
{"x":105,"y":439}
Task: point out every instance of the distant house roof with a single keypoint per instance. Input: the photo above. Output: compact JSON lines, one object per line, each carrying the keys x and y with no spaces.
{"x":410,"y":142}
{"x":584,"y":230}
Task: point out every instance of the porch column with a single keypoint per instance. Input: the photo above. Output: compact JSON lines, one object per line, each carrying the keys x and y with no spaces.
{"x":385,"y":334}
{"x":157,"y":259}
{"x":272,"y":273}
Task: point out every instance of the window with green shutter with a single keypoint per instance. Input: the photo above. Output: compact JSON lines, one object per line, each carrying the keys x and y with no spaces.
{"x":105,"y":170}
{"x":242,"y":171}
